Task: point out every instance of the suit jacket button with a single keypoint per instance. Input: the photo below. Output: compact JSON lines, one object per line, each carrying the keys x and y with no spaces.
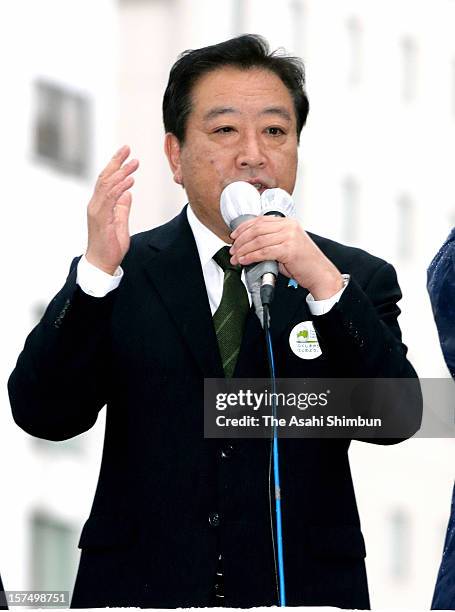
{"x":214,"y":519}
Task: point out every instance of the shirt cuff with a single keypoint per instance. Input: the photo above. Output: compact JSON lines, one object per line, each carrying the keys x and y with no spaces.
{"x":320,"y":307}
{"x":94,"y":281}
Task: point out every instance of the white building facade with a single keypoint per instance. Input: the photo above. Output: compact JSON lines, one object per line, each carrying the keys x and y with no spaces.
{"x":84,"y":78}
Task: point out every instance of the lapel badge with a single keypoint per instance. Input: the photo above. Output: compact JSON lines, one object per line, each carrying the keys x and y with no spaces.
{"x":304,"y":341}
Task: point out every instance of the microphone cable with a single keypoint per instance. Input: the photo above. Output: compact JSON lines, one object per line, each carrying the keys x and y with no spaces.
{"x":278,"y":551}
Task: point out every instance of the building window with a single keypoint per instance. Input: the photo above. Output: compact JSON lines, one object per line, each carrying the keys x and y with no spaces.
{"x":399,"y":545}
{"x":452,"y":81}
{"x":355,"y":51}
{"x":298,"y":30}
{"x":350,"y":219}
{"x":405,"y":227}
{"x":54,"y":553}
{"x":408,"y":69}
{"x":62,"y":128}
{"x":238,"y":17}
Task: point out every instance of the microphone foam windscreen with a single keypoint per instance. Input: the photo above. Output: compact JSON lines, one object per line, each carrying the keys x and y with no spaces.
{"x":277,"y":200}
{"x":239,"y":198}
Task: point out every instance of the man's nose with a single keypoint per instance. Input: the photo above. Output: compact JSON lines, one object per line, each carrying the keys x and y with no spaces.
{"x":251,"y":154}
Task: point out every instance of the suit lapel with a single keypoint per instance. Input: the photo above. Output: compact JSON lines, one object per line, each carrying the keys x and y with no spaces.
{"x":174,"y":268}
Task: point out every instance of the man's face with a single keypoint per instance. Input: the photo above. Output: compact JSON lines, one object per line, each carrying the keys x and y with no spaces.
{"x":242,"y":127}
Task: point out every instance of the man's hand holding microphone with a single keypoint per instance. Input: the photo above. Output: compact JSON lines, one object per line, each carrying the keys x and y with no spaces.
{"x":283,"y":239}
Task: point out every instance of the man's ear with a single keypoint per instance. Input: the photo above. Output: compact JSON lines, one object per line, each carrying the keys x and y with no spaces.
{"x":172,"y":150}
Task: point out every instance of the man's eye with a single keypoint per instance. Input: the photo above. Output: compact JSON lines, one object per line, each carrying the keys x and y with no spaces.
{"x":275,"y":131}
{"x":224,"y":130}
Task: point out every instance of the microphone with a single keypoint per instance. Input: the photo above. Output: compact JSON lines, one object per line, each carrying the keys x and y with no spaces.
{"x":274,"y":203}
{"x":239,"y":202}
{"x":277,"y":202}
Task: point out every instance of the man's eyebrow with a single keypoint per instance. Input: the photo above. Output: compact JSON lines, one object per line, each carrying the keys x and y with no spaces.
{"x":218,"y":111}
{"x":213,"y":113}
{"x":277,"y":110}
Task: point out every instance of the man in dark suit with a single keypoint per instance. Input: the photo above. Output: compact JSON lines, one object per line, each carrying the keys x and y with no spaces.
{"x":441,"y":289}
{"x":179,"y":520}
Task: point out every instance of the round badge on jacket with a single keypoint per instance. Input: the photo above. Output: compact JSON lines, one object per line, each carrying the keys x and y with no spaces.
{"x":304,"y":341}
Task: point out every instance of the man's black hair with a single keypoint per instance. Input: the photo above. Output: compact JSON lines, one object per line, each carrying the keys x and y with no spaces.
{"x":244,"y":52}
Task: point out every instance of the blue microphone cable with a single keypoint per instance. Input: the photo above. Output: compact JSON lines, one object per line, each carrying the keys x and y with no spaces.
{"x":276,"y":470}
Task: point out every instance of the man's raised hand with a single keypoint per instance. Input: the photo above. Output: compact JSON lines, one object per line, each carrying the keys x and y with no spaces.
{"x":108,"y":212}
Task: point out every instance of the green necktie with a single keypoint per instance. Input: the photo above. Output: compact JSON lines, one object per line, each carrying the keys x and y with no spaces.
{"x":229,"y":319}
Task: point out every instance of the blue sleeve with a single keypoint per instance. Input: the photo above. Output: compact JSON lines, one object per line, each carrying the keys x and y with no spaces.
{"x":441,"y":288}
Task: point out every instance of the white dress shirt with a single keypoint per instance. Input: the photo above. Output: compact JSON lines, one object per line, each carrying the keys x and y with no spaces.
{"x":97,"y":283}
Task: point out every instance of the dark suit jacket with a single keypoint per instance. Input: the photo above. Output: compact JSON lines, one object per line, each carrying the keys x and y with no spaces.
{"x":144,"y":350}
{"x":441,"y":289}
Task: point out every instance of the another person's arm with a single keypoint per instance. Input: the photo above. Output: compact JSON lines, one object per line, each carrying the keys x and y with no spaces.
{"x":441,"y":289}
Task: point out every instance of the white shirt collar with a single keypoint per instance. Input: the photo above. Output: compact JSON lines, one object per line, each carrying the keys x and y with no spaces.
{"x":208,"y":243}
